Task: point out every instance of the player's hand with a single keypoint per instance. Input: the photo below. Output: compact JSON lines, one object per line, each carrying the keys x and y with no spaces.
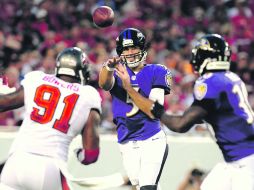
{"x":87,"y":157}
{"x":4,"y":88}
{"x":157,"y":110}
{"x":112,"y":63}
{"x":79,"y":154}
{"x":123,"y":74}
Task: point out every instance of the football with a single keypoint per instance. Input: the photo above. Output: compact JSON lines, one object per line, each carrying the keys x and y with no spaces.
{"x":103,"y":16}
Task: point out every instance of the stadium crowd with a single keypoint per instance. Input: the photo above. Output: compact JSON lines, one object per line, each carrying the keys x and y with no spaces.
{"x":32,"y":33}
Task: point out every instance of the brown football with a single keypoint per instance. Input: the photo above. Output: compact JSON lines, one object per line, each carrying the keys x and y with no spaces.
{"x":103,"y":16}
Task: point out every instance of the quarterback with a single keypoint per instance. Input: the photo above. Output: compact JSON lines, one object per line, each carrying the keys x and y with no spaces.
{"x":221,"y":99}
{"x":141,"y":140}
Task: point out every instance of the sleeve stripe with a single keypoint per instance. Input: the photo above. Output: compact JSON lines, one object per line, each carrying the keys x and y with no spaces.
{"x":167,"y":90}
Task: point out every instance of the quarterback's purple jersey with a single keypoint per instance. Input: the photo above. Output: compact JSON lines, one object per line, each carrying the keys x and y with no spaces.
{"x":231,"y":115}
{"x":132,"y":123}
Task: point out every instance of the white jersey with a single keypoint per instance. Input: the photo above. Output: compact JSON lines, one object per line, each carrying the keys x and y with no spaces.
{"x":56,"y":112}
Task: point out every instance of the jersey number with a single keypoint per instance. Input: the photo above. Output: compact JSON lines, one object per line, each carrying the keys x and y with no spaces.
{"x":242,"y":93}
{"x":135,"y":108}
{"x":47,"y":97}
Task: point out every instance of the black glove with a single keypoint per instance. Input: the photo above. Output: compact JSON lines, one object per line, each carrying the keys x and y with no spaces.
{"x":157,"y":109}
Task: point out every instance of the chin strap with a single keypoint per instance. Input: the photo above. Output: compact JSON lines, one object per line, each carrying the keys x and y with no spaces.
{"x":136,"y":63}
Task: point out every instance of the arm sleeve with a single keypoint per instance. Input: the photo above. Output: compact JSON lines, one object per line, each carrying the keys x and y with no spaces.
{"x":95,"y":100}
{"x":163,"y":79}
{"x":205,"y":94}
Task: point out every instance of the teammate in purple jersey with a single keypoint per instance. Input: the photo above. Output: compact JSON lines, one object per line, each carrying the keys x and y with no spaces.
{"x":221,"y":99}
{"x":141,"y":140}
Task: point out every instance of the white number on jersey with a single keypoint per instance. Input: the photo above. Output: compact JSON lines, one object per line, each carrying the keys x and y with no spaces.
{"x":135,"y":108}
{"x":241,"y":92}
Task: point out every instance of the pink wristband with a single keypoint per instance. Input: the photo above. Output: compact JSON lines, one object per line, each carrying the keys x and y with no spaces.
{"x":91,"y":156}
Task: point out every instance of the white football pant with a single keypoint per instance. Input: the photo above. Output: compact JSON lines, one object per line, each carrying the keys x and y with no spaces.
{"x":237,"y":175}
{"x":26,"y":171}
{"x":144,"y":160}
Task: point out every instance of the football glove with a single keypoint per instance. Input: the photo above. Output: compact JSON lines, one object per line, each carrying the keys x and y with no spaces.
{"x":157,"y":110}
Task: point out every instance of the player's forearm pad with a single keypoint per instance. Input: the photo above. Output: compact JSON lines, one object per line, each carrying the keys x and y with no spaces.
{"x":87,"y":157}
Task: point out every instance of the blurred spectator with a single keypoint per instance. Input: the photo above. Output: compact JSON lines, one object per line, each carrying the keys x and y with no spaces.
{"x":12,"y":73}
{"x":7,"y":119}
{"x":33,"y":32}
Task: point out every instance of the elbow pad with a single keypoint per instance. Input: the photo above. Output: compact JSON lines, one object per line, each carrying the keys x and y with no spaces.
{"x":87,"y":157}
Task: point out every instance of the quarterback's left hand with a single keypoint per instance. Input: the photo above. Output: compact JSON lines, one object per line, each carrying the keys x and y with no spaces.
{"x":123,"y":74}
{"x":4,"y":88}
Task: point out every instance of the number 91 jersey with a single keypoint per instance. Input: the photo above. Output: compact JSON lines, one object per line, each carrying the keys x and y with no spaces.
{"x":224,"y":96}
{"x":56,"y":112}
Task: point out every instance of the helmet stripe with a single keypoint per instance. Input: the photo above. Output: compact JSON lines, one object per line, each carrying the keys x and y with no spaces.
{"x":129,"y":34}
